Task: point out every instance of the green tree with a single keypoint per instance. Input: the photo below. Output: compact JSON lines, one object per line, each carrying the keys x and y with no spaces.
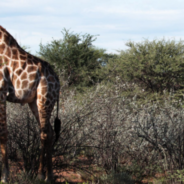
{"x":76,"y":60}
{"x":156,"y":65}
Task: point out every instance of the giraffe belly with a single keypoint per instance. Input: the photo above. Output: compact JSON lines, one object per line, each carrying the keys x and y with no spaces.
{"x":21,"y":96}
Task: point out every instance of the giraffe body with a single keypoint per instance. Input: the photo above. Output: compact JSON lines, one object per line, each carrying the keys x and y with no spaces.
{"x":26,"y":79}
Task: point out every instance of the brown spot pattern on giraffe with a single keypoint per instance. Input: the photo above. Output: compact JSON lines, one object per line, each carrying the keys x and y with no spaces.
{"x":15,"y":54}
{"x":31,"y":68}
{"x":30,"y":57}
{"x":14,"y":65}
{"x":32,"y":76}
{"x":43,"y":82}
{"x":24,"y":84}
{"x":8,"y":52}
{"x":51,"y":86}
{"x":51,"y":79}
{"x":23,"y":57}
{"x":49,"y":96}
{"x":9,"y":40}
{"x":6,"y":39}
{"x":22,"y":52}
{"x":32,"y":84}
{"x":29,"y":61}
{"x":2,"y":47}
{"x":23,"y":65}
{"x":6,"y":61}
{"x":54,"y":93}
{"x":24,"y":75}
{"x":18,"y":72}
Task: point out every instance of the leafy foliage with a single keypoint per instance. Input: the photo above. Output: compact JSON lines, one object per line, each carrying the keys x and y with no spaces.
{"x":156,"y":65}
{"x":75,"y":58}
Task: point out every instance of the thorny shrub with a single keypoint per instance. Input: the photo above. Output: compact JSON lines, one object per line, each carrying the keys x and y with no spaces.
{"x":106,"y":130}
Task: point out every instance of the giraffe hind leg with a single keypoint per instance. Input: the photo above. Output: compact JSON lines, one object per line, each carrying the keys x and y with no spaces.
{"x":42,"y":114}
{"x":34,"y":109}
{"x":5,"y":169}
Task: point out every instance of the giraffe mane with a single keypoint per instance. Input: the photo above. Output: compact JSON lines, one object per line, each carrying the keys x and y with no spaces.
{"x":13,"y":40}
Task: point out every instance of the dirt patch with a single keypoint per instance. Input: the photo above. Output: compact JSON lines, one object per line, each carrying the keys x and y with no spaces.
{"x":61,"y":175}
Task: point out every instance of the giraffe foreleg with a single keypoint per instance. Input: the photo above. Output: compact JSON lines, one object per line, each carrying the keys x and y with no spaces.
{"x":5,"y":169}
{"x":3,"y":138}
{"x":46,"y":135}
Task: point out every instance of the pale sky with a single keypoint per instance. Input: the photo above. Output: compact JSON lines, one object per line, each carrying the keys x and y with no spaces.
{"x":114,"y":21}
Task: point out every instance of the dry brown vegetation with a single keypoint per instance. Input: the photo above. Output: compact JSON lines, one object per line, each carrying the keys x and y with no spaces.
{"x":107,"y":136}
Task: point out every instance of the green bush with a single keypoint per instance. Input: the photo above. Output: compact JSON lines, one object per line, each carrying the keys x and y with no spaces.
{"x":155,"y":65}
{"x":75,"y":59}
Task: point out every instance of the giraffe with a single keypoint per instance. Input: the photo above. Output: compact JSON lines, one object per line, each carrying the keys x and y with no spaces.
{"x":25,"y":78}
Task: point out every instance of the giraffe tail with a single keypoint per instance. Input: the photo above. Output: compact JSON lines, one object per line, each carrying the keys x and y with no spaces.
{"x":57,"y":128}
{"x":57,"y":124}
